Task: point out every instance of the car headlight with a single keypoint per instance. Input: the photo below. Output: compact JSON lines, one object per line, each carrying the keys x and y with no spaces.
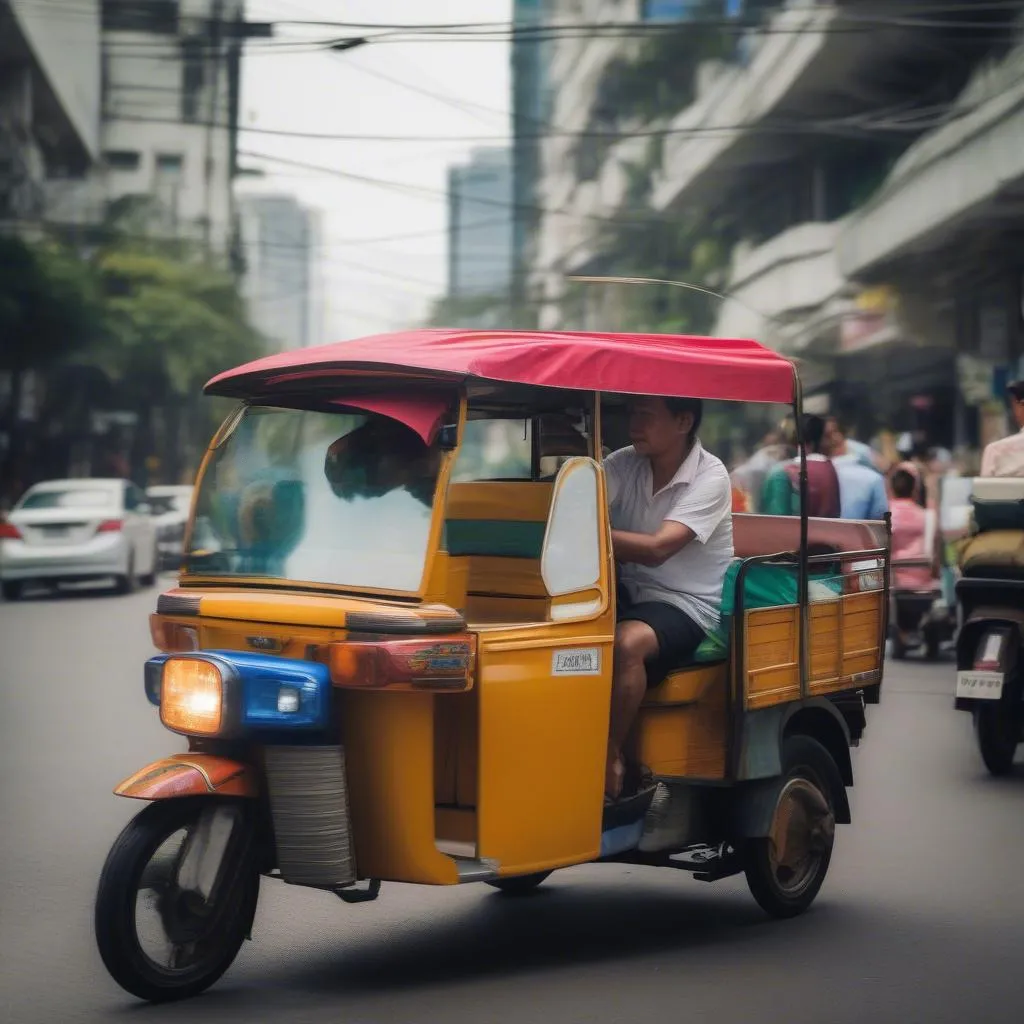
{"x":192,"y":696}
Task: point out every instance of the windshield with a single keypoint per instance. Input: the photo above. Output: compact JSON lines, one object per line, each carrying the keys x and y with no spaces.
{"x":317,"y":497}
{"x":77,"y":497}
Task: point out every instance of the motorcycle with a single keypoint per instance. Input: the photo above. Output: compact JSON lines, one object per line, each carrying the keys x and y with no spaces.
{"x":990,"y":594}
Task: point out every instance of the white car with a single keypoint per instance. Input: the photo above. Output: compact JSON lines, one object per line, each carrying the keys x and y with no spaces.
{"x":72,"y":530}
{"x":169,"y":506}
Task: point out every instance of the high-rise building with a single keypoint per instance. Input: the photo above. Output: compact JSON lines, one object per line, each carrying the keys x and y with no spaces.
{"x":281,"y":243}
{"x":168,"y":121}
{"x":480,"y":225}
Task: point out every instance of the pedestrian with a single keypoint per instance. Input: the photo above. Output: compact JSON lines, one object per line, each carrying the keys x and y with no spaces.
{"x":781,"y":493}
{"x":1006,"y":457}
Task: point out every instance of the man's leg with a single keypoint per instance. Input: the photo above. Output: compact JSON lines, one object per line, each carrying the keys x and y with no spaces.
{"x":635,"y":642}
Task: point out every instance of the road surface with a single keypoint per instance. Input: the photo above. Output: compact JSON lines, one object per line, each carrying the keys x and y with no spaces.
{"x":921,"y":918}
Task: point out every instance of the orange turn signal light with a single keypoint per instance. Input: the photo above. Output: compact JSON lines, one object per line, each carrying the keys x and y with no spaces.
{"x":445,"y":664}
{"x":172,"y":637}
{"x":192,"y":697}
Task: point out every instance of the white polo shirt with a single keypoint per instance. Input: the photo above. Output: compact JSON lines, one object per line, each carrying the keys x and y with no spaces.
{"x":700,"y":497}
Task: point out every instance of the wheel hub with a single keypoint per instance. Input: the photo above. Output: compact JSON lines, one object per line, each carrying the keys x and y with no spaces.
{"x":803,"y":828}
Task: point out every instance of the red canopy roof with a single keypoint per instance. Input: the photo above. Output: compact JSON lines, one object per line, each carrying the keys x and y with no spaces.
{"x":639,"y":364}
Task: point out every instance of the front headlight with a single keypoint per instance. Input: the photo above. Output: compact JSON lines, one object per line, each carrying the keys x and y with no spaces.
{"x":192,"y":697}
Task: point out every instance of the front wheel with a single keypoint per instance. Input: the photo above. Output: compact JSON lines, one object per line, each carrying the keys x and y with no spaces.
{"x":177,"y":897}
{"x":998,"y":733}
{"x":519,"y":885}
{"x":786,"y":869}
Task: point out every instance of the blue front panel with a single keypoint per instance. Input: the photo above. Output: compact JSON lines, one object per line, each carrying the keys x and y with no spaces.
{"x":306,"y":686}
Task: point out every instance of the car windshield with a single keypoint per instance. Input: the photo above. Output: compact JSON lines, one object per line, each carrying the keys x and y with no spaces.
{"x":317,"y":497}
{"x":72,"y":498}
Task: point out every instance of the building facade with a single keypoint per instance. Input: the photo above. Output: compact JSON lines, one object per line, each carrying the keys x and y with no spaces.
{"x":480,"y":226}
{"x":786,"y":133}
{"x":281,"y":242}
{"x":168,"y":125}
{"x":49,"y":103}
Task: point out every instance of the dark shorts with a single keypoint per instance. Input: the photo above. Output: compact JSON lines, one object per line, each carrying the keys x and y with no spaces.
{"x":678,"y":635}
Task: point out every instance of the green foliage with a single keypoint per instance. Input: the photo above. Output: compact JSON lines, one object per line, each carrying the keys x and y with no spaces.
{"x":480,"y":311}
{"x":171,"y":325}
{"x":49,"y":304}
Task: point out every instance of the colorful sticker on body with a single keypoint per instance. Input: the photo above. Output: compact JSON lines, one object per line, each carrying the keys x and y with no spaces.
{"x":576,"y":661}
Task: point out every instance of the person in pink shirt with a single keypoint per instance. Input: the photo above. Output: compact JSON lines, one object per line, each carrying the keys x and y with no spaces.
{"x":1006,"y":457}
{"x":914,"y":534}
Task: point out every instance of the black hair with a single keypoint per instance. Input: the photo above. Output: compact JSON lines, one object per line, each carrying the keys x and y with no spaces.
{"x":1016,"y":390}
{"x":681,"y":406}
{"x":813,"y":429}
{"x":903,"y":484}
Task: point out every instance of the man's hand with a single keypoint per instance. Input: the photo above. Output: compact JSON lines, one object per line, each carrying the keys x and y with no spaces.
{"x":651,"y":549}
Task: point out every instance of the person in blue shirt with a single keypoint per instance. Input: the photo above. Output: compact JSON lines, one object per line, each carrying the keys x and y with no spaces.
{"x":861,"y":490}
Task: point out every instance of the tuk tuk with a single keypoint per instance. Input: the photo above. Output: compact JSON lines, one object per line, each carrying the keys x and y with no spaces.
{"x":390,"y":649}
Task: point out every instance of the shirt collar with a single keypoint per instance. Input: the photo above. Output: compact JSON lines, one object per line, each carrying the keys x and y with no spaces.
{"x":687,"y":471}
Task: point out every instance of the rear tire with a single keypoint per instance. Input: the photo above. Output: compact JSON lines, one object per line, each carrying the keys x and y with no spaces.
{"x":786,"y":887}
{"x":998,"y":734}
{"x":126,"y":584}
{"x":223,"y":930}
{"x":519,"y":885}
{"x":11,"y":589}
{"x":149,"y":580}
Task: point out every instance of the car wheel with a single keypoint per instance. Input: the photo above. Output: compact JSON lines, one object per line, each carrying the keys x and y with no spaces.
{"x":11,"y":590}
{"x":149,"y":579}
{"x":126,"y":583}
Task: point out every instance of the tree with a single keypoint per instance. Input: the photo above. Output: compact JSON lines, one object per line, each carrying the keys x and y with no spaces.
{"x":50,"y":307}
{"x":170,"y":326}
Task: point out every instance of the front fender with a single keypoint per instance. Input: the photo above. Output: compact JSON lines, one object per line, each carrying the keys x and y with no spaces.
{"x":191,"y":774}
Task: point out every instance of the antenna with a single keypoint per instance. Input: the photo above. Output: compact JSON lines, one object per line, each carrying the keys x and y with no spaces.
{"x":674,"y":284}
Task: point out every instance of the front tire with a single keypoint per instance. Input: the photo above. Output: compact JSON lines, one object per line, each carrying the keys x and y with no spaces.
{"x":519,"y":885}
{"x":998,"y":734}
{"x":786,"y":869}
{"x":201,"y":937}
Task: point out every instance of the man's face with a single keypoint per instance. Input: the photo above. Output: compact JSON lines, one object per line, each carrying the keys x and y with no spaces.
{"x":1017,"y":405}
{"x":654,"y":430}
{"x":834,"y":441}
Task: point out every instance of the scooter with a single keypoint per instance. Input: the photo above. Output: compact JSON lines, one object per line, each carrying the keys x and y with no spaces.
{"x":919,"y":619}
{"x":990,"y":593}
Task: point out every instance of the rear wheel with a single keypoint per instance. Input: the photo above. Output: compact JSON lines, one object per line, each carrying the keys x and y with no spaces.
{"x":177,"y":897}
{"x":11,"y":589}
{"x":998,"y":734}
{"x":126,"y":584}
{"x":519,"y":885}
{"x":149,"y":579}
{"x":786,"y":869}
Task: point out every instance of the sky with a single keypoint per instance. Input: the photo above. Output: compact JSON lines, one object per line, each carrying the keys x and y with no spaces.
{"x":373,"y":90}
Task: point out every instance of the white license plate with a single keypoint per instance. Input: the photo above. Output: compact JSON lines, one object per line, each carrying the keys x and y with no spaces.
{"x":980,"y":685}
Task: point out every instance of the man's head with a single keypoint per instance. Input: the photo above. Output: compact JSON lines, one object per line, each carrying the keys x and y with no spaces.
{"x":813,"y":429}
{"x":835,"y":435}
{"x":662,"y":426}
{"x":904,"y":483}
{"x":1016,"y":393}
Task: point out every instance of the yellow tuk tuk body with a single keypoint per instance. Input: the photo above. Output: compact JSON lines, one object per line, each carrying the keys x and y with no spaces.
{"x":447,"y":721}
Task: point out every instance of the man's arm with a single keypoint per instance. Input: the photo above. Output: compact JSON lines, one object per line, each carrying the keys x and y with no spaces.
{"x":879,"y":500}
{"x":651,"y":549}
{"x":988,"y":461}
{"x":693,"y":516}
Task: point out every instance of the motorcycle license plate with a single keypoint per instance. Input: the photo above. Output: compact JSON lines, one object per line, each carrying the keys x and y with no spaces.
{"x":979,"y":685}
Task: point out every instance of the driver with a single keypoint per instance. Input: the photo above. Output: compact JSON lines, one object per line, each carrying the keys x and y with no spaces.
{"x":671,"y":519}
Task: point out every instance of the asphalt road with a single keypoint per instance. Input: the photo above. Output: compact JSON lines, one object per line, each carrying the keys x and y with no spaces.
{"x":921,"y":918}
